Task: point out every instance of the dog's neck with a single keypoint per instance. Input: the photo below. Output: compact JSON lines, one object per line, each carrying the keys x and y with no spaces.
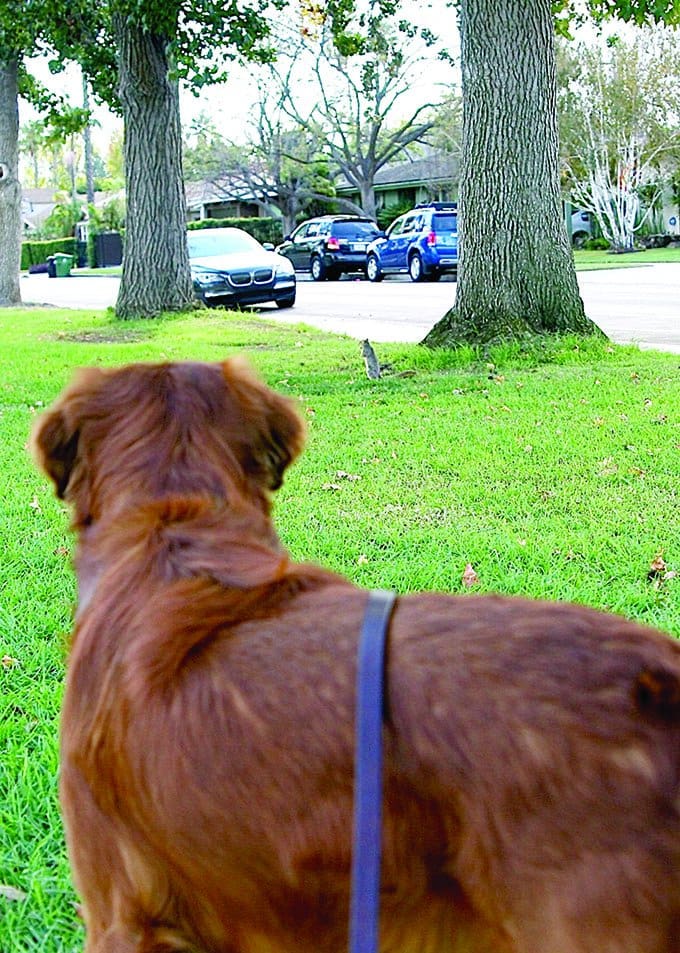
{"x":180,"y":537}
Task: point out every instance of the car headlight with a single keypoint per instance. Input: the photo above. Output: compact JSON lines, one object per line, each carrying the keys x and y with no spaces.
{"x":207,"y":278}
{"x":285,"y":268}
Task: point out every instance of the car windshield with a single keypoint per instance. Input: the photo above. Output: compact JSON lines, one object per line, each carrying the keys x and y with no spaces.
{"x":354,"y":229}
{"x":445,"y":223}
{"x":220,"y":241}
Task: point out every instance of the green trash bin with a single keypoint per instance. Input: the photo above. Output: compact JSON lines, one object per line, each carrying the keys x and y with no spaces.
{"x":62,"y":264}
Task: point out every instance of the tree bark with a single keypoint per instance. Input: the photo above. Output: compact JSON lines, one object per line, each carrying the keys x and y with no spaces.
{"x":516,"y":273}
{"x":156,"y":274}
{"x":10,"y":189}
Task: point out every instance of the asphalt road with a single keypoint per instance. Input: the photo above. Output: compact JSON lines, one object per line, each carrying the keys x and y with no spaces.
{"x":639,"y":305}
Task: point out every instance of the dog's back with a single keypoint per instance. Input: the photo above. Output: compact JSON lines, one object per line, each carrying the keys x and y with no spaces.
{"x":532,"y":776}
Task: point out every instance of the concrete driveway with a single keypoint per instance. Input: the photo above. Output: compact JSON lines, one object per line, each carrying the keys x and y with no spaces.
{"x":632,"y":305}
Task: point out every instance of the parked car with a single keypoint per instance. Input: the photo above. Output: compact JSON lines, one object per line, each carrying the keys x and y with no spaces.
{"x":423,"y":242}
{"x":229,"y":267}
{"x":330,"y":245}
{"x":581,"y":228}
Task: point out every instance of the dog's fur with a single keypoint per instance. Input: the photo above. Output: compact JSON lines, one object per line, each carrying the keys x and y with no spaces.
{"x":532,"y":776}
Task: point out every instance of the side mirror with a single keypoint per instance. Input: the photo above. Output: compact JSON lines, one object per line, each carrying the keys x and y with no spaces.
{"x":268,"y":246}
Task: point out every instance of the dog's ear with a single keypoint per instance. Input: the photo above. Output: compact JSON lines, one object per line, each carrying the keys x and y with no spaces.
{"x":54,"y":441}
{"x":277,"y":431}
{"x":55,"y":448}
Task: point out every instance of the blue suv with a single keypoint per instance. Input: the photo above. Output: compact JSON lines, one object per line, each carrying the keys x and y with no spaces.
{"x":424,"y":243}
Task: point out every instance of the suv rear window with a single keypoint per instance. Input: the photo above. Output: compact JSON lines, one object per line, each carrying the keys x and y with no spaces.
{"x":354,"y":229}
{"x":445,"y":223}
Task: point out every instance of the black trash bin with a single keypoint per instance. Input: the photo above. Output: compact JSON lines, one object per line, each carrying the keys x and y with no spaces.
{"x":51,"y":267}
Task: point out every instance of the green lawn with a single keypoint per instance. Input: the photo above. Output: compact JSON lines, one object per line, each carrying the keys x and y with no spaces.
{"x":554,"y":475}
{"x":597,"y":260}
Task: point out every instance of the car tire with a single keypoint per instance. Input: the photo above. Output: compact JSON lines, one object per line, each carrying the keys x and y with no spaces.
{"x":373,"y":272}
{"x":415,"y":268}
{"x":286,"y":302}
{"x":434,"y":275}
{"x":318,"y":269}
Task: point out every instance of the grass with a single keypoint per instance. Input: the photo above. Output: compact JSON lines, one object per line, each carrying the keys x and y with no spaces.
{"x":555,"y":474}
{"x":598,"y":260}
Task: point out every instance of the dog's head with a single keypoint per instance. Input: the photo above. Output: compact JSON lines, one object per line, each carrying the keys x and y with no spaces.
{"x":145,"y":431}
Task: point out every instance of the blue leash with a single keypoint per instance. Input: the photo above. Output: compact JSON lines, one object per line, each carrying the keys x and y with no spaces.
{"x":367,"y":835}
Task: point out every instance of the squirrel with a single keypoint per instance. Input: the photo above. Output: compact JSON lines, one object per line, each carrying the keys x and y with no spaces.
{"x":370,"y":360}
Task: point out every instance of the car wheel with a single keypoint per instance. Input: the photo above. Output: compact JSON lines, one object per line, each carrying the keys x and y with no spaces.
{"x":433,"y":275}
{"x":286,"y":302}
{"x":415,"y":268}
{"x":373,"y":269}
{"x":318,"y":269}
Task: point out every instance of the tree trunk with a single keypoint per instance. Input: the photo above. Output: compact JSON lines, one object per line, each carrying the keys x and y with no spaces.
{"x":10,"y":189}
{"x":87,"y":147}
{"x":156,"y":275}
{"x":367,"y":193}
{"x":516,"y":273}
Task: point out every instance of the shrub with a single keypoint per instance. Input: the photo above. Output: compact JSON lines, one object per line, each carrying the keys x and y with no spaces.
{"x":36,"y":253}
{"x":263,"y":229}
{"x":595,"y":244}
{"x":387,"y":214}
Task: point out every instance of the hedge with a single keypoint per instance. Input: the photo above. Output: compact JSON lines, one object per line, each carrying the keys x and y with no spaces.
{"x":37,"y":253}
{"x":263,"y":229}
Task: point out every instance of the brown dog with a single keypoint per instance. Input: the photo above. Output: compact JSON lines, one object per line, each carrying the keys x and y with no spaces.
{"x":532,"y":775}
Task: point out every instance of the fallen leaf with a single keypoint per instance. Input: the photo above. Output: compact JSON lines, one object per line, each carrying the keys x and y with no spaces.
{"x":362,"y":560}
{"x":470,"y":577}
{"x":11,"y":893}
{"x":343,"y":475}
{"x":657,"y":571}
{"x":8,"y":662}
{"x":331,"y":486}
{"x":35,"y":505}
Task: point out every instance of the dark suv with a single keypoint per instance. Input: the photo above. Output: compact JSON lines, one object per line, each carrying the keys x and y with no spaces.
{"x":424,"y":243}
{"x":330,"y":245}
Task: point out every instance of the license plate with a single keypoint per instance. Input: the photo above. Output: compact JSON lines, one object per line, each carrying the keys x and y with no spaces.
{"x":359,"y":246}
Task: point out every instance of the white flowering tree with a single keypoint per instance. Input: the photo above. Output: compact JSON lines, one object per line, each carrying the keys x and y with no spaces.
{"x":620,"y":129}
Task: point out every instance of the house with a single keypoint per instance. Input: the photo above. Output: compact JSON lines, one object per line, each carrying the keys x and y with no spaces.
{"x":37,"y":205}
{"x":221,"y":198}
{"x":431,"y":178}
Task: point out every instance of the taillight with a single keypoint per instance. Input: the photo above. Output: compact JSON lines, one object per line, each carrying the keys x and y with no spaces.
{"x":332,"y":244}
{"x":431,"y":239}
